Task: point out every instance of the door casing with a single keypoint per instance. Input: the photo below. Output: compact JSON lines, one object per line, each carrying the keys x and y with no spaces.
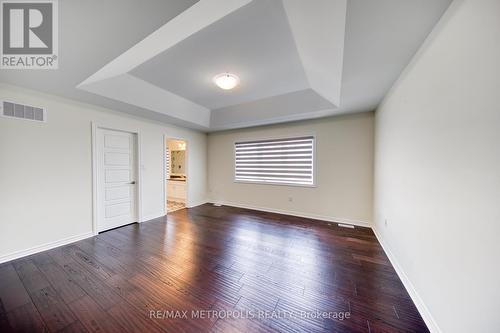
{"x":95,"y":186}
{"x":165,"y":194}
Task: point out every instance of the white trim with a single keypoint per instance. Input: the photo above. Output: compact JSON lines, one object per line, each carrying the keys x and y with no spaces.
{"x":149,"y":217}
{"x":138,"y":205}
{"x":163,"y":214}
{"x":410,"y":288}
{"x":94,"y":179}
{"x":343,"y":225}
{"x":44,"y":247}
{"x":321,"y":218}
{"x":195,"y":204}
{"x":164,"y":173}
{"x":138,"y":199}
{"x":165,"y":194}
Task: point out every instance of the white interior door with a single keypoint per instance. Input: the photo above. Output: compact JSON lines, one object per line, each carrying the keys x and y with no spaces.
{"x":116,"y":178}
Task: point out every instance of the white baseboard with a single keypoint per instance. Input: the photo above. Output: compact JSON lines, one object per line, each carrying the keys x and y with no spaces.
{"x":152,"y":216}
{"x":322,"y":218}
{"x":417,"y":300}
{"x":43,"y":247}
{"x":198,"y":203}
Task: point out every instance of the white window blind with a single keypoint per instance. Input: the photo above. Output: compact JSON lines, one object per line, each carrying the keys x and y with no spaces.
{"x":280,"y":161}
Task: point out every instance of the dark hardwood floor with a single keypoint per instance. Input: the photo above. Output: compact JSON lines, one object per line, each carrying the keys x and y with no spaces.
{"x":231,"y":269}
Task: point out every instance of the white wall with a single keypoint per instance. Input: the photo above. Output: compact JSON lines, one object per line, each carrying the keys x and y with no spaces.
{"x":46,"y":175}
{"x":344,"y":174}
{"x":437,"y":171}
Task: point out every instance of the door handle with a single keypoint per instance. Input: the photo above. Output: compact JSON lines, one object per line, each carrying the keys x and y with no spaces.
{"x":132,"y":183}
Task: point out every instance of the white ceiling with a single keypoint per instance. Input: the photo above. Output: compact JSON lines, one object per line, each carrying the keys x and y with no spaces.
{"x":263,"y":55}
{"x":296,"y":59}
{"x":92,"y":33}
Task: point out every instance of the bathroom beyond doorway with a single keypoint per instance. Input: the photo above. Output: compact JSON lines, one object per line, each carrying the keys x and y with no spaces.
{"x":176,"y":174}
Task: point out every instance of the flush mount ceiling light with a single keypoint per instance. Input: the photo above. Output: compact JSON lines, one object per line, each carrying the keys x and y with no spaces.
{"x":226,"y":81}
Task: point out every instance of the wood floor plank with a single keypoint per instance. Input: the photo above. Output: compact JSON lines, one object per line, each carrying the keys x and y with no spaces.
{"x":4,"y":322}
{"x":30,"y":275}
{"x":26,"y":319}
{"x":89,"y":262}
{"x":12,"y":291}
{"x":76,"y":327}
{"x":92,"y":286}
{"x":53,"y":310}
{"x":135,"y":321}
{"x":65,"y":286}
{"x":93,"y":317}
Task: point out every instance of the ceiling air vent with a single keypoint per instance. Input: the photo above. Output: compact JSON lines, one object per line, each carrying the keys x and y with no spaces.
{"x":21,"y":111}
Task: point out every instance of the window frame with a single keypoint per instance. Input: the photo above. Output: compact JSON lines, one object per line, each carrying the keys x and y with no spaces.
{"x":290,"y":137}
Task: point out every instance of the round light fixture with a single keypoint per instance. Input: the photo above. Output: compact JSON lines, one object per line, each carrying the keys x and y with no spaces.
{"x":226,"y":81}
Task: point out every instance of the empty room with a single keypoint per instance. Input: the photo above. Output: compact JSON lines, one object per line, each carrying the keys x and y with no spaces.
{"x":250,"y":166}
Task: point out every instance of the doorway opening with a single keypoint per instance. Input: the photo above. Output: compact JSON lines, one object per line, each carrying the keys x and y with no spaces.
{"x":176,"y":153}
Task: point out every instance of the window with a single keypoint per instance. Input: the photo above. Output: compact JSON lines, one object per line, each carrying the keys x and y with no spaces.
{"x":282,"y":161}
